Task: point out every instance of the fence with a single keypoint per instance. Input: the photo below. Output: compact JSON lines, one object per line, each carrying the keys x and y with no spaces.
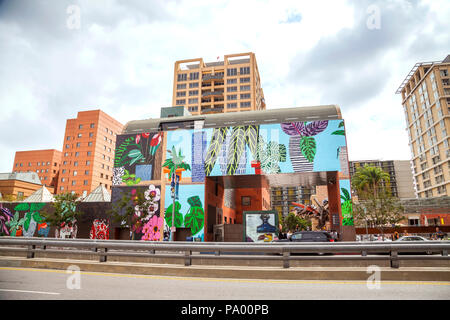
{"x":283,"y":252}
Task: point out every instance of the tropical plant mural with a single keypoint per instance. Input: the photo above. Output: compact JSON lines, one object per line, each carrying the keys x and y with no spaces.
{"x":195,"y":217}
{"x":15,"y":225}
{"x":134,"y":157}
{"x":176,"y":162}
{"x":269,"y":155}
{"x":302,"y":143}
{"x":25,"y":226}
{"x":5,"y":216}
{"x":346,"y":204}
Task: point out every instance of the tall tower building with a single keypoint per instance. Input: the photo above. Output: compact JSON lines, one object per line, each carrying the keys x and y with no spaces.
{"x":88,"y":152}
{"x":230,"y":85}
{"x":45,"y":163}
{"x":426,"y":103}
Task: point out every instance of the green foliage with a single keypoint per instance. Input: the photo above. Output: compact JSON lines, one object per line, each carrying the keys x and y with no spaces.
{"x":194,"y":219}
{"x":218,"y":137}
{"x":130,"y":179}
{"x":178,"y":215}
{"x":293,"y":222}
{"x":122,"y":154}
{"x":176,"y":162}
{"x":122,"y":211}
{"x":236,"y":148}
{"x":64,"y":209}
{"x":15,"y":224}
{"x":308,"y":147}
{"x":270,"y":155}
{"x":251,"y":139}
{"x":380,"y":210}
{"x":370,"y":180}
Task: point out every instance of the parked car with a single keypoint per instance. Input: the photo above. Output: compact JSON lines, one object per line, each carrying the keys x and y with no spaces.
{"x":309,"y":236}
{"x":415,"y":239}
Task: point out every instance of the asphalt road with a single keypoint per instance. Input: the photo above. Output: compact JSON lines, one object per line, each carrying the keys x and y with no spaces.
{"x":17,"y":283}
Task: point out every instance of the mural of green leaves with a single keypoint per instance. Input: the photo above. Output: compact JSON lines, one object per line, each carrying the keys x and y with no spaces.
{"x":308,"y":147}
{"x":15,"y":224}
{"x":339,"y":132}
{"x":346,"y":207}
{"x":178,"y":215}
{"x":270,"y":155}
{"x":236,"y":148}
{"x":124,"y":156}
{"x":130,"y":179}
{"x":218,"y":137}
{"x":251,"y":139}
{"x":194,"y":219}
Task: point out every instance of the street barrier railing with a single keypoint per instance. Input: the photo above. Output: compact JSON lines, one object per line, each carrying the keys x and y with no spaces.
{"x":283,"y":252}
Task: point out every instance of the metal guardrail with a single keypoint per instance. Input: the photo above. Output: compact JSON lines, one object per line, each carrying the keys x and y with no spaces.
{"x":282,"y":252}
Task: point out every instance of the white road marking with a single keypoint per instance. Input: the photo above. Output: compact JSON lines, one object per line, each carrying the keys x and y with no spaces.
{"x":27,"y":291}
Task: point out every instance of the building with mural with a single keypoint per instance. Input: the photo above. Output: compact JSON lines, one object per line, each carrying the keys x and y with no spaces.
{"x":203,"y":171}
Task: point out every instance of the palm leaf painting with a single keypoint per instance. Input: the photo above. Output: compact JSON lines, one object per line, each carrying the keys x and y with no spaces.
{"x":178,"y":215}
{"x":122,"y":155}
{"x":176,"y":162}
{"x":270,"y":155}
{"x":251,"y":139}
{"x":339,"y":132}
{"x":308,"y":148}
{"x":235,"y":149}
{"x":218,"y":137}
{"x":194,"y":219}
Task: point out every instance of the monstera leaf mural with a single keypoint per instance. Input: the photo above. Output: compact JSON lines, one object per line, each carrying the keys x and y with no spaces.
{"x":346,"y":207}
{"x":178,"y":215}
{"x":269,"y":155}
{"x":302,"y":144}
{"x":194,"y":219}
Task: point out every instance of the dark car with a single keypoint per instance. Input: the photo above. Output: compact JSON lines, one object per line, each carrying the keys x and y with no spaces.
{"x":309,"y":236}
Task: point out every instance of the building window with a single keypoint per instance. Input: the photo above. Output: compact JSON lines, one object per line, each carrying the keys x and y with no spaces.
{"x":193,"y":100}
{"x":245,"y":70}
{"x":232,"y":97}
{"x":192,"y":109}
{"x":231,"y":89}
{"x":193,"y":93}
{"x":86,"y":182}
{"x":181,"y":94}
{"x":245,"y":88}
{"x":245,"y":96}
{"x":101,"y":175}
{"x":181,"y":102}
{"x":232,"y":105}
{"x":61,"y":188}
{"x":86,"y":172}
{"x":193,"y":76}
{"x":90,"y":144}
{"x":64,"y":171}
{"x":74,"y":182}
{"x":77,"y":154}
{"x":193,"y":85}
{"x":245,"y":104}
{"x":92,"y":125}
{"x":232,"y":81}
{"x":88,"y":162}
{"x":182,"y":77}
{"x":68,"y":138}
{"x":78,"y":144}
{"x":80,"y":135}
{"x":246,"y":201}
{"x":80,"y":126}
{"x":91,"y":134}
{"x":63,"y":179}
{"x":181,"y":86}
{"x":65,"y":155}
{"x":245,"y":80}
{"x":89,"y":153}
{"x":75,"y":172}
{"x":65,"y":163}
{"x":231,"y":72}
{"x":75,"y":163}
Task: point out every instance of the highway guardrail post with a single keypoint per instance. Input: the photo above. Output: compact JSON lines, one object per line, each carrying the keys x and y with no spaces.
{"x":394,"y":259}
{"x":103,"y":258}
{"x":30,"y":254}
{"x":187,"y":258}
{"x":364,"y":253}
{"x":444,"y":253}
{"x":286,"y":255}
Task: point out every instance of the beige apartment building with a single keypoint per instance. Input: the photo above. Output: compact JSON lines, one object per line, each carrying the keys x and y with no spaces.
{"x":426,"y":103}
{"x":230,"y":85}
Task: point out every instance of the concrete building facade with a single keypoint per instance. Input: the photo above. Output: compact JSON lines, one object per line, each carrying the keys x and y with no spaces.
{"x":425,"y":96}
{"x":230,"y":85}
{"x":401,"y":179}
{"x":88,"y":152}
{"x":45,"y":163}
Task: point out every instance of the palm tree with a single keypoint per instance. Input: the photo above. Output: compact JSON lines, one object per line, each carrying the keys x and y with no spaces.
{"x":176,"y":162}
{"x":369,"y":179}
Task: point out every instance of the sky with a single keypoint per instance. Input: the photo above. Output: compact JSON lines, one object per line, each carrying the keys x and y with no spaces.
{"x":58,"y":57}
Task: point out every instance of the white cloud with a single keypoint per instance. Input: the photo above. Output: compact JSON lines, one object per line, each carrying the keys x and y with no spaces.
{"x":121,"y":61}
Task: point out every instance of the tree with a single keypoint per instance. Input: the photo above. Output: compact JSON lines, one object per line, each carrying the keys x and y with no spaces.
{"x":131,"y":210}
{"x":64,"y":210}
{"x":369,"y":180}
{"x":378,"y":210}
{"x":293,"y":222}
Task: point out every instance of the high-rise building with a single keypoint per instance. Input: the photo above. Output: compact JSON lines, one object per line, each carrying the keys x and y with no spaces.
{"x":282,"y":198}
{"x":88,"y":152}
{"x":45,"y":163}
{"x":401,"y":180}
{"x":230,"y":85}
{"x":426,"y":103}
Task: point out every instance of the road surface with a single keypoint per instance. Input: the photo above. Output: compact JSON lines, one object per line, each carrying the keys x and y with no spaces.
{"x":24,"y":283}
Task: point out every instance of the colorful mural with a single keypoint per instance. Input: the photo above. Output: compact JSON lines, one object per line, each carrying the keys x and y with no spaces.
{"x":5,"y":216}
{"x":25,"y":226}
{"x":100,"y":229}
{"x":134,"y":158}
{"x":189,"y":211}
{"x":194,"y":154}
{"x":143,"y":221}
